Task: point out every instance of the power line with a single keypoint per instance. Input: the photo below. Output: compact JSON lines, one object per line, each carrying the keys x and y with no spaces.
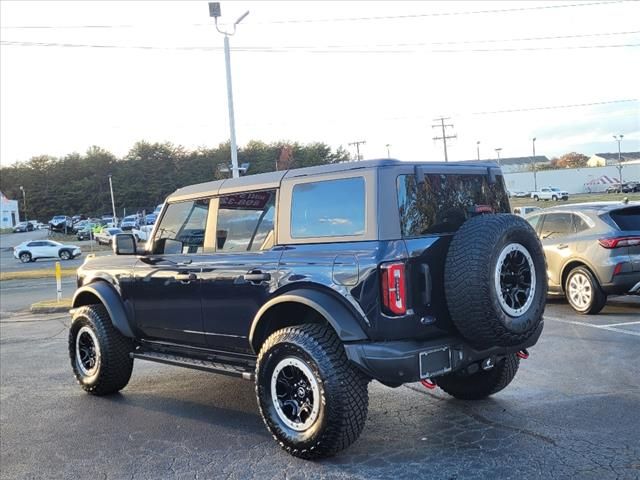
{"x":357,"y":145}
{"x":554,"y":107}
{"x":342,"y":19}
{"x":310,"y":50}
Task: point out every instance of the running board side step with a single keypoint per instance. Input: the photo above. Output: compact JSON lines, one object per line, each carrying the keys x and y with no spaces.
{"x":195,"y":363}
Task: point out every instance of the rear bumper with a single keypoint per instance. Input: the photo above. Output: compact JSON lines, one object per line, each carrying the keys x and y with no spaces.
{"x":623,"y":283}
{"x":399,"y":362}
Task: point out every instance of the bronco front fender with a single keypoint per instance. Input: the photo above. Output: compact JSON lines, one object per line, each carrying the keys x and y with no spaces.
{"x":105,"y":294}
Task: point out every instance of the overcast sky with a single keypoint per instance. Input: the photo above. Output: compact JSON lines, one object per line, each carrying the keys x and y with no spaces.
{"x":322,"y":71}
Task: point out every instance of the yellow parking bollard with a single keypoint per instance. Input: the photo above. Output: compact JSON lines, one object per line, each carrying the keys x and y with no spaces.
{"x":59,"y":280}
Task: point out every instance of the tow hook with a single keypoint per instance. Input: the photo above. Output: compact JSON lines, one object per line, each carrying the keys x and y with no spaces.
{"x":523,"y":354}
{"x":487,"y":364}
{"x":427,"y":383}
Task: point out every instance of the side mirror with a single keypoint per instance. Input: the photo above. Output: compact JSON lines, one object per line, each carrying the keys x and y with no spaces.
{"x":124,"y":244}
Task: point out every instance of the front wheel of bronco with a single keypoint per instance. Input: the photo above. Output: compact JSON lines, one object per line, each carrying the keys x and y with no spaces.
{"x":482,"y":383}
{"x":312,"y":400}
{"x":99,"y":353}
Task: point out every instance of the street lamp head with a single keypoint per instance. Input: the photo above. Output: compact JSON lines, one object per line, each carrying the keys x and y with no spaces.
{"x":478,"y":142}
{"x":534,"y":139}
{"x":242,"y":17}
{"x":214,"y":9}
{"x":21,"y":188}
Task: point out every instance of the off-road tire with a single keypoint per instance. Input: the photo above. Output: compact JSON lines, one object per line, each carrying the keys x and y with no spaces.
{"x":554,"y":198}
{"x":598,"y":297}
{"x":65,"y":255}
{"x":25,"y":257}
{"x":536,"y":198}
{"x":343,"y":390}
{"x":482,"y":383}
{"x":114,"y":363}
{"x":477,"y":309}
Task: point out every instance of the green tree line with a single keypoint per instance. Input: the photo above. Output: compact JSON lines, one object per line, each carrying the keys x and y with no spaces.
{"x":79,"y":184}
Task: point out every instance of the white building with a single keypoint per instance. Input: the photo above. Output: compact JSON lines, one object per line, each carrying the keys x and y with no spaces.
{"x":607,"y":159}
{"x":9,"y":213}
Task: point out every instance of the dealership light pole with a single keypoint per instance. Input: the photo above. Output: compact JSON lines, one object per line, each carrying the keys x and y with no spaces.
{"x":478,"y":149}
{"x":24,"y":201}
{"x":113,"y":203}
{"x":214,"y":11}
{"x":533,"y":161}
{"x":498,"y":150}
{"x":619,"y":140}
{"x":388,"y":151}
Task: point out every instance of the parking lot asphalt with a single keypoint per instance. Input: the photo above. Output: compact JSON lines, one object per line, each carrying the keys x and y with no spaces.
{"x":571,"y":412}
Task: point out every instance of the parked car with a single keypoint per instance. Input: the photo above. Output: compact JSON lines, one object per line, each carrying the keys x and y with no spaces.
{"x":522,"y":211}
{"x":312,"y":282}
{"x":592,"y":251}
{"x":37,"y":225}
{"x":142,"y":233}
{"x":130,"y":222}
{"x":87,"y":231}
{"x":517,"y":194}
{"x":550,"y":193}
{"x":23,"y":227}
{"x":627,"y":187}
{"x":105,"y":236}
{"x":109,"y":221}
{"x":31,"y":251}
{"x":60,"y":223}
{"x":79,"y":225}
{"x":150,"y":219}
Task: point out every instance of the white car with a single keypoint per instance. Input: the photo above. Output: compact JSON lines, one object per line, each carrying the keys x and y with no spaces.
{"x":550,"y":193}
{"x":30,"y":251}
{"x":143,"y":233}
{"x":106,"y":235}
{"x":522,"y":211}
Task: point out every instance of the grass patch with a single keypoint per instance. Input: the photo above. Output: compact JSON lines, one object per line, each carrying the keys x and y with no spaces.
{"x":33,"y":274}
{"x":586,"y":197}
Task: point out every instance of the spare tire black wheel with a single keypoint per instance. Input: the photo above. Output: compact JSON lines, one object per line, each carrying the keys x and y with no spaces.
{"x":496,"y":280}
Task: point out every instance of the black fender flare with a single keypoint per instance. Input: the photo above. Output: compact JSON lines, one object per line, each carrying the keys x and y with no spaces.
{"x":341,"y":319}
{"x":111,"y":301}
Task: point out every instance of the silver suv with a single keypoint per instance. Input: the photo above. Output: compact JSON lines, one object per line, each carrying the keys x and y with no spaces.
{"x":592,"y":250}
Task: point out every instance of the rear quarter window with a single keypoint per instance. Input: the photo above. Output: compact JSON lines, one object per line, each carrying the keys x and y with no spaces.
{"x":626,"y":219}
{"x":330,"y":208}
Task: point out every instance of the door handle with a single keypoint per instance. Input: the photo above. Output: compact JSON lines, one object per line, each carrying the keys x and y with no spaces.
{"x":185,"y":277}
{"x":256,"y":276}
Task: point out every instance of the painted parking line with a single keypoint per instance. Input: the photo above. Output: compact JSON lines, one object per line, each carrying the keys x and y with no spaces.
{"x":599,"y":327}
{"x":623,"y":323}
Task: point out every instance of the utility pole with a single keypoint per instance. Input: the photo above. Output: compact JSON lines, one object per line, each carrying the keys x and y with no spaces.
{"x":444,"y":136}
{"x":357,"y":145}
{"x":113,"y":203}
{"x":478,"y":149}
{"x":388,"y":151}
{"x":533,"y":160}
{"x":24,"y":201}
{"x":619,"y":140}
{"x":214,"y":11}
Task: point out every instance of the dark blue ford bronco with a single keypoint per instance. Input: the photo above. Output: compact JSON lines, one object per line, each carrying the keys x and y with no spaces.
{"x":312,"y":282}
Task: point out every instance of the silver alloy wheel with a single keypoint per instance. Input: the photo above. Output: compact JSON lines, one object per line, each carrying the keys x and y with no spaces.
{"x":515,"y":279}
{"x":295,"y":394}
{"x":87,"y":351}
{"x":580,"y":290}
{"x":25,"y":258}
{"x":65,"y":255}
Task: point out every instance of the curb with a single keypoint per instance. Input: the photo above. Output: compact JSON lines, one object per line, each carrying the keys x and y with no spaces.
{"x":51,"y":306}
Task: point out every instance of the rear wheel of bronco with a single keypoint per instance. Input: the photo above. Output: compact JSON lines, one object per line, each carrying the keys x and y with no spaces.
{"x":312,"y":400}
{"x":496,"y":280}
{"x":482,"y":383}
{"x":99,"y":353}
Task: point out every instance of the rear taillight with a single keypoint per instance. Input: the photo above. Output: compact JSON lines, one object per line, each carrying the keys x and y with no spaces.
{"x":619,"y":242}
{"x":394,"y":297}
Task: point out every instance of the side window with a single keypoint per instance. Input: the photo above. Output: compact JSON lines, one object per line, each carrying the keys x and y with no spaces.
{"x":556,"y":225}
{"x":182,"y":227}
{"x":579,"y":224}
{"x":34,"y":244}
{"x":330,"y":208}
{"x":534,"y":221}
{"x":246,"y":221}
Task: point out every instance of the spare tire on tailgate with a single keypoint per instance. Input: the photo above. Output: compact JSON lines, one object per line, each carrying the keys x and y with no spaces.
{"x":496,"y":280}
